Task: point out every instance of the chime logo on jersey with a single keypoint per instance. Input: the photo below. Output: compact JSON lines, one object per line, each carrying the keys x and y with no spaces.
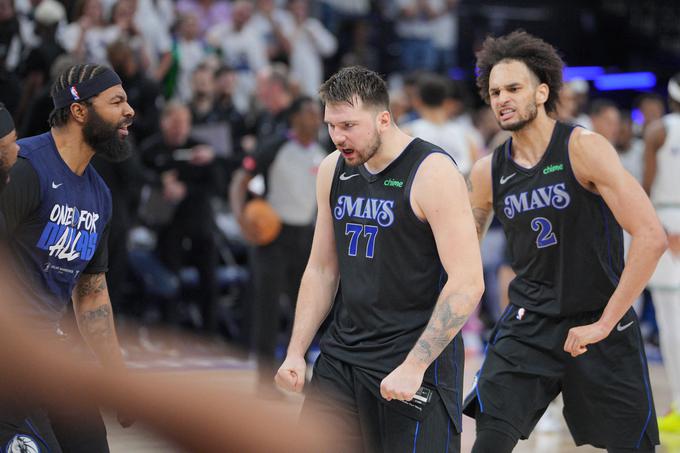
{"x":382,"y":211}
{"x":70,"y":233}
{"x":554,"y":195}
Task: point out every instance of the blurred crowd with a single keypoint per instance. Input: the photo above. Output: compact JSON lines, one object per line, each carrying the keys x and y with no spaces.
{"x":226,"y":111}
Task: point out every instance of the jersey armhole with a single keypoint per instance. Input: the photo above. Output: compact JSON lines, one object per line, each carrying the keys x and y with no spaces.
{"x":334,"y":183}
{"x":572,"y":174}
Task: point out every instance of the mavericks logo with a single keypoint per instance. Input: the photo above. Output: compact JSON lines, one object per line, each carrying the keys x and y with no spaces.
{"x":22,"y":443}
{"x":382,"y":211}
{"x":543,"y":197}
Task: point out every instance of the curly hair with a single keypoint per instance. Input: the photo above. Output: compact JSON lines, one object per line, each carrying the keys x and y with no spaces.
{"x":540,"y":57}
{"x":355,"y":82}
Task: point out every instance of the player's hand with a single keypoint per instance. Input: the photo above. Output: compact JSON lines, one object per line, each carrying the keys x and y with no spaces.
{"x":402,"y":383}
{"x":580,"y":337}
{"x":291,"y":374}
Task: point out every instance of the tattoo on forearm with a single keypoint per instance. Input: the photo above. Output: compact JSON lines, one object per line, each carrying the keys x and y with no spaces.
{"x":91,"y":285}
{"x":97,"y":323}
{"x":444,"y":323}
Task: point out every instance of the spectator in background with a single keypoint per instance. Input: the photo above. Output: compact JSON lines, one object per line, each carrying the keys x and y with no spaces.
{"x":414,"y":27}
{"x":580,"y":90}
{"x":143,"y":93}
{"x":631,"y":149}
{"x":36,"y":119}
{"x":310,"y":42}
{"x":11,"y":41}
{"x":339,"y":15}
{"x":87,"y":36}
{"x":242,"y":49}
{"x":652,"y":106}
{"x":445,"y":35}
{"x":273,"y":26}
{"x":190,"y":178}
{"x":188,"y":51}
{"x":289,"y":164}
{"x":163,"y":11}
{"x":435,"y":125}
{"x":225,"y":82}
{"x":48,"y":15}
{"x":567,"y":106}
{"x":203,"y":105}
{"x":361,"y":52}
{"x":605,"y":119}
{"x":208,"y":12}
{"x":274,"y":95}
{"x":151,"y":42}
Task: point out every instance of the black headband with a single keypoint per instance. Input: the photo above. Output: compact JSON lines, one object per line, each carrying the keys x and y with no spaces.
{"x":6,"y":121}
{"x":87,"y":89}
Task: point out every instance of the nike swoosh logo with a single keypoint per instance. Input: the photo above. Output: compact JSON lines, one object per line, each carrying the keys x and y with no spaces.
{"x":344,"y":177}
{"x":505,"y":179}
{"x":56,"y":186}
{"x":621,"y":328}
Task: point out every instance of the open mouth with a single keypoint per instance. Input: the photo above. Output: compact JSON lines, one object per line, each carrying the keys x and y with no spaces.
{"x":347,"y":152}
{"x":506,"y":113}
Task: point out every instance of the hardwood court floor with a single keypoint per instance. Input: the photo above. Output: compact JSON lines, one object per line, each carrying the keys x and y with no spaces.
{"x":241,"y":373}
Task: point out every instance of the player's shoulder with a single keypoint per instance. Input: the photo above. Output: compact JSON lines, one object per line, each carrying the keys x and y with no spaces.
{"x":328,"y":165}
{"x":584,"y":141}
{"x":29,"y":145}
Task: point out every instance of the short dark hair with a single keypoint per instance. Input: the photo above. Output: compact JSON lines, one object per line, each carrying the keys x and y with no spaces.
{"x":298,"y":104}
{"x":540,"y":57}
{"x":597,"y":106}
{"x":75,"y":74}
{"x":354,"y":82}
{"x":432,"y":90}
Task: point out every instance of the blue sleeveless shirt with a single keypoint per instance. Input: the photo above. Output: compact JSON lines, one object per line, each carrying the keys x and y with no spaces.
{"x":57,"y":241}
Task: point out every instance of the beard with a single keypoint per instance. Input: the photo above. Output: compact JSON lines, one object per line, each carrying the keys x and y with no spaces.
{"x":530,"y":115}
{"x":371,"y":149}
{"x":104,"y":139}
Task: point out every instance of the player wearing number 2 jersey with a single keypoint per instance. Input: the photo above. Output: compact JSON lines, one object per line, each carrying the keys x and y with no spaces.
{"x":562,"y":197}
{"x":393,"y":221}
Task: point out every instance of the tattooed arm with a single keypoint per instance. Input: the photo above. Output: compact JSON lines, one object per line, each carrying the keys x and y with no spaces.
{"x":93,"y":311}
{"x":481,"y":196}
{"x":438,"y":197}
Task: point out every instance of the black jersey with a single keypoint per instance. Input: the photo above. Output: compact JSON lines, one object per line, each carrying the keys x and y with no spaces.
{"x":390,"y":271}
{"x":565,"y":245}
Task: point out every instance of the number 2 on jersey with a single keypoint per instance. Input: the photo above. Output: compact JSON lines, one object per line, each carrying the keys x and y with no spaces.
{"x":355,"y":230}
{"x":546,"y":237}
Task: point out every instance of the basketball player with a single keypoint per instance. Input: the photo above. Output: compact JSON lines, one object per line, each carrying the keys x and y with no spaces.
{"x":662,"y":168}
{"x":392,"y":223}
{"x":562,"y":197}
{"x":57,"y":211}
{"x":8,"y":146}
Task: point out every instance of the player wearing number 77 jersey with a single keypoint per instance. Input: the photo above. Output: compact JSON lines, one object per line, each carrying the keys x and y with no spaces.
{"x":562,"y":197}
{"x":393,"y":220}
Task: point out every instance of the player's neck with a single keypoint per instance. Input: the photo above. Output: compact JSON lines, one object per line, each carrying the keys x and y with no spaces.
{"x":394,"y":141}
{"x":72,"y":148}
{"x":530,"y":143}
